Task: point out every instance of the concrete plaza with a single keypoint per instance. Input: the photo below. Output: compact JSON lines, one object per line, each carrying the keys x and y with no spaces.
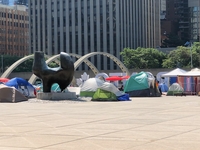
{"x":163,"y":123}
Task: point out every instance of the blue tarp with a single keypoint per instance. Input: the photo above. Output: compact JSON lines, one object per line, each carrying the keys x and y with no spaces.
{"x":163,"y":87}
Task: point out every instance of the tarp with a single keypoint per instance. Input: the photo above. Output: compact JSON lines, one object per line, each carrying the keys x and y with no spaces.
{"x":90,"y":86}
{"x":23,"y":86}
{"x":174,"y":73}
{"x":10,"y":94}
{"x":138,"y":81}
{"x":163,"y":87}
{"x":174,"y":89}
{"x":193,"y":73}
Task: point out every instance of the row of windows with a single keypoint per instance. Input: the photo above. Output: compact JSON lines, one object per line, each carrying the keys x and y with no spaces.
{"x":14,"y":24}
{"x":9,"y":15}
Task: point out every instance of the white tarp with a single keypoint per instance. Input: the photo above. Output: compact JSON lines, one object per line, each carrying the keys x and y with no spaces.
{"x":174,"y":73}
{"x":111,"y":88}
{"x":193,"y":73}
{"x":91,"y":84}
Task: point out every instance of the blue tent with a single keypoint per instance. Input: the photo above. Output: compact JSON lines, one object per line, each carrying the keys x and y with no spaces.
{"x":23,"y":86}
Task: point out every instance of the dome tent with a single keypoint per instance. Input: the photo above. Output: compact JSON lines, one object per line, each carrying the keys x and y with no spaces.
{"x":141,"y":85}
{"x":108,"y":92}
{"x":174,"y":89}
{"x":90,"y":86}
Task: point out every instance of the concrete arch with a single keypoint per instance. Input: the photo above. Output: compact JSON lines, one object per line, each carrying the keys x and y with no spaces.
{"x":13,"y":66}
{"x":115,"y":59}
{"x":92,"y":67}
{"x":17,"y":63}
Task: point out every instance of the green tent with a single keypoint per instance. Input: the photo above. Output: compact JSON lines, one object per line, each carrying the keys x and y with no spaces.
{"x":107,"y":92}
{"x":103,"y":95}
{"x":174,"y":89}
{"x":141,"y":85}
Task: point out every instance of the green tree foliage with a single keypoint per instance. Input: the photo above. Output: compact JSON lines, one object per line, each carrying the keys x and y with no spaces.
{"x":181,"y":57}
{"x":141,"y":58}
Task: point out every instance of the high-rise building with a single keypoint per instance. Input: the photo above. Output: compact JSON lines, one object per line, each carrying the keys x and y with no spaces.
{"x":84,"y":26}
{"x":194,"y":23}
{"x":14,"y":28}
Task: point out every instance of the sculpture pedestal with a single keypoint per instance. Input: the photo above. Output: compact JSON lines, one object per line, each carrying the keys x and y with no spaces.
{"x":56,"y":96}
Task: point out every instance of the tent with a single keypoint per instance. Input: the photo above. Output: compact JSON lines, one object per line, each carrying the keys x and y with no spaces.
{"x":141,"y":85}
{"x":174,"y":89}
{"x":90,"y":86}
{"x":23,"y":86}
{"x":10,"y":94}
{"x":174,"y":73}
{"x":108,"y":92}
{"x":193,"y":73}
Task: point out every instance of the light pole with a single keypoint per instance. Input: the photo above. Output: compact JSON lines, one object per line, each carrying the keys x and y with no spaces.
{"x":2,"y":63}
{"x":191,"y":54}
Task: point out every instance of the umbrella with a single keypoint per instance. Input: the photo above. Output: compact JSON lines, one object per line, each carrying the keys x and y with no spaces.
{"x":125,"y":77}
{"x":4,"y":80}
{"x":114,"y":78}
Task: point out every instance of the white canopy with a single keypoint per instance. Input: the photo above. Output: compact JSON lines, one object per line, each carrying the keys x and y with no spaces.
{"x":174,"y":73}
{"x":193,"y":73}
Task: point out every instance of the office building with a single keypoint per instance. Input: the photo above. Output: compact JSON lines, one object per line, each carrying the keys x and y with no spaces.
{"x":14,"y":28}
{"x":194,"y":24}
{"x":84,"y":26}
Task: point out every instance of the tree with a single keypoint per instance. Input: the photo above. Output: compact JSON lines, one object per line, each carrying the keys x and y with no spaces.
{"x":181,"y":57}
{"x":141,"y":58}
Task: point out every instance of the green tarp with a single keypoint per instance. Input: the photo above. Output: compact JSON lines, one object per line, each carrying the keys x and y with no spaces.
{"x":103,"y":95}
{"x":138,"y":81}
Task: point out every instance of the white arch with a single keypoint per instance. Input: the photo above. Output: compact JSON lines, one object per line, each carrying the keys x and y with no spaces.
{"x":115,"y":59}
{"x":13,"y":66}
{"x":92,"y":67}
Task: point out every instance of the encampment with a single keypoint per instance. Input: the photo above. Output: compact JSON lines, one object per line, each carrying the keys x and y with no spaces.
{"x":174,"y":89}
{"x":90,"y":86}
{"x":10,"y":94}
{"x":22,"y":86}
{"x":141,"y":85}
{"x":108,"y":92}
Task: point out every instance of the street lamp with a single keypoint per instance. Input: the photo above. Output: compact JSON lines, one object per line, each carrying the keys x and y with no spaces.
{"x":2,"y":63}
{"x":191,"y":54}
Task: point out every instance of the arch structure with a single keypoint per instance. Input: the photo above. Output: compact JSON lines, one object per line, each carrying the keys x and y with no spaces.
{"x":92,"y":67}
{"x":76,"y":64}
{"x":115,"y":59}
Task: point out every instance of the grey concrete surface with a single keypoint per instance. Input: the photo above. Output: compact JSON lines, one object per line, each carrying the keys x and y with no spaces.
{"x":164,"y":123}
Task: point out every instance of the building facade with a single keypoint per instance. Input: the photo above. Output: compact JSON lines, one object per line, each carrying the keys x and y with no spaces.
{"x":14,"y":28}
{"x":194,"y":24}
{"x":14,"y":2}
{"x":84,"y":26}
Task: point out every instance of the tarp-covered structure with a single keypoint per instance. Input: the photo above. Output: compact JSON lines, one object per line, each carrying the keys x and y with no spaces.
{"x":141,"y":85}
{"x":10,"y":94}
{"x":22,"y":86}
{"x":190,"y":81}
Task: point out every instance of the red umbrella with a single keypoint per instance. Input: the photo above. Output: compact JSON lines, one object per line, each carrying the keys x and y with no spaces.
{"x":125,"y":77}
{"x":114,"y":78}
{"x":4,"y":80}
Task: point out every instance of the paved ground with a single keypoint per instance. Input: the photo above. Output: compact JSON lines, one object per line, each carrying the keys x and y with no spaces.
{"x":166,"y":123}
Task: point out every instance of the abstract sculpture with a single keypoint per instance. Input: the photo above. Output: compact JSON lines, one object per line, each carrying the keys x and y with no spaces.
{"x":62,"y":75}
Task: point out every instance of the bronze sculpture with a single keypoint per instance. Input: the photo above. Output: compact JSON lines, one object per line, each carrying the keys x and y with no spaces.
{"x":62,"y":75}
